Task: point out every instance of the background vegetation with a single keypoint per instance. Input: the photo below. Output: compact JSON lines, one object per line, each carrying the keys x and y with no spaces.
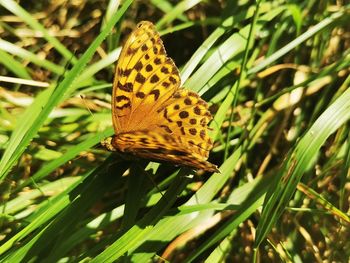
{"x":276,"y":74}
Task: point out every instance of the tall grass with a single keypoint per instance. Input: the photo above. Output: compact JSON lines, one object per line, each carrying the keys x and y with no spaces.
{"x":276,"y":76}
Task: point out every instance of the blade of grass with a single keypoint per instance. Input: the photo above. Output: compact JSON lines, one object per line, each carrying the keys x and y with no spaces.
{"x":250,"y":197}
{"x":177,"y":11}
{"x":242,"y":75}
{"x":231,"y":47}
{"x":298,"y":162}
{"x":13,"y":65}
{"x":226,"y":25}
{"x":140,"y":232}
{"x":67,"y":207}
{"x":104,"y":179}
{"x":16,"y":9}
{"x":170,"y":227}
{"x":66,"y":157}
{"x":37,"y":114}
{"x":26,"y":199}
{"x":296,"y":42}
{"x":55,"y":205}
{"x":89,"y":72}
{"x":27,"y":55}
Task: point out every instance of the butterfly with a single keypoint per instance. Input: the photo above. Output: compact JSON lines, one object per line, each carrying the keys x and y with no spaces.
{"x":153,"y":117}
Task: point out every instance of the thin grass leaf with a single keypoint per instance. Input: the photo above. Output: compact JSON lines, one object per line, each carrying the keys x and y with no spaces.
{"x":27,"y":55}
{"x":91,"y":70}
{"x":169,"y":228}
{"x":254,"y":199}
{"x":68,"y":156}
{"x":142,"y":229}
{"x":26,"y":199}
{"x":177,"y":11}
{"x":298,"y":162}
{"x":39,"y":111}
{"x":296,"y":42}
{"x":13,"y":65}
{"x":13,"y":7}
{"x":43,"y":217}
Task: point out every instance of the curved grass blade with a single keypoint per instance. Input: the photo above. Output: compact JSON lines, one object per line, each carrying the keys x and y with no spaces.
{"x":35,"y":115}
{"x":298,"y":161}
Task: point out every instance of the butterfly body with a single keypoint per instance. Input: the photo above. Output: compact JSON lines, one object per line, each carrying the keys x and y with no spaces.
{"x":153,"y":117}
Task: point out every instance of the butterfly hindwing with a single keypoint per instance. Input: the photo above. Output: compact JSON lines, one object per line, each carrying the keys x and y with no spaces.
{"x":160,"y":146}
{"x":186,"y":116}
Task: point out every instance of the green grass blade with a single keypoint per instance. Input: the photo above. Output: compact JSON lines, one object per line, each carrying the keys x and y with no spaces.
{"x":169,"y":228}
{"x":27,"y":55}
{"x":55,"y":206}
{"x":337,"y":114}
{"x":249,"y":197}
{"x":40,"y":112}
{"x":177,"y":11}
{"x":142,"y":229}
{"x":16,"y":9}
{"x":302,"y":38}
{"x":69,"y":155}
{"x":13,"y":65}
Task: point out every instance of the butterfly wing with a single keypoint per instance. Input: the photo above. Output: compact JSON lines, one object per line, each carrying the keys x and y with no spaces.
{"x":160,"y":146}
{"x":144,"y":78}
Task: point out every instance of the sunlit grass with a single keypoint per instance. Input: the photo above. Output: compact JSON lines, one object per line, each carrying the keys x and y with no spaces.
{"x":282,"y":119}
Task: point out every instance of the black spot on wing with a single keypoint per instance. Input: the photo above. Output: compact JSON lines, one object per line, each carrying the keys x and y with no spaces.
{"x":156,"y":94}
{"x":166,"y":128}
{"x":144,"y":47}
{"x":154,"y":79}
{"x":138,"y":66}
{"x":164,"y":70}
{"x":172,"y":80}
{"x":202,"y":134}
{"x":126,"y":72}
{"x":188,"y":101}
{"x":149,"y":68}
{"x":183,"y":114}
{"x":128,"y":87}
{"x":157,"y":61}
{"x":193,"y":131}
{"x":130,"y":51}
{"x":140,"y":94}
{"x":165,"y":84}
{"x":121,"y":98}
{"x":197,"y":110}
{"x":193,"y":121}
{"x":126,"y":105}
{"x":155,"y":50}
{"x":140,"y":78}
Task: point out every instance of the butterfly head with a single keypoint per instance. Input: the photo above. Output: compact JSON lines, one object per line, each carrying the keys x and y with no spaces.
{"x":145,"y":24}
{"x":108,"y":144}
{"x":119,"y":142}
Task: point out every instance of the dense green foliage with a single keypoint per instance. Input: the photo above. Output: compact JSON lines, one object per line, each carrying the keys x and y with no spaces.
{"x":276,"y":76}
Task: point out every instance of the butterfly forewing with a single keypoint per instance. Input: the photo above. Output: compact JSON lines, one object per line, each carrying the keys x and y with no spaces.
{"x":153,"y":117}
{"x":145,"y":78}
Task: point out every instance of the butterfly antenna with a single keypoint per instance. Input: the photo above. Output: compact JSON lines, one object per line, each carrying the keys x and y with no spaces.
{"x":85,"y":104}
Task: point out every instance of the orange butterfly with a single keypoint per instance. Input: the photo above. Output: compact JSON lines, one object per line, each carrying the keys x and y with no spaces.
{"x":152,"y":116}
